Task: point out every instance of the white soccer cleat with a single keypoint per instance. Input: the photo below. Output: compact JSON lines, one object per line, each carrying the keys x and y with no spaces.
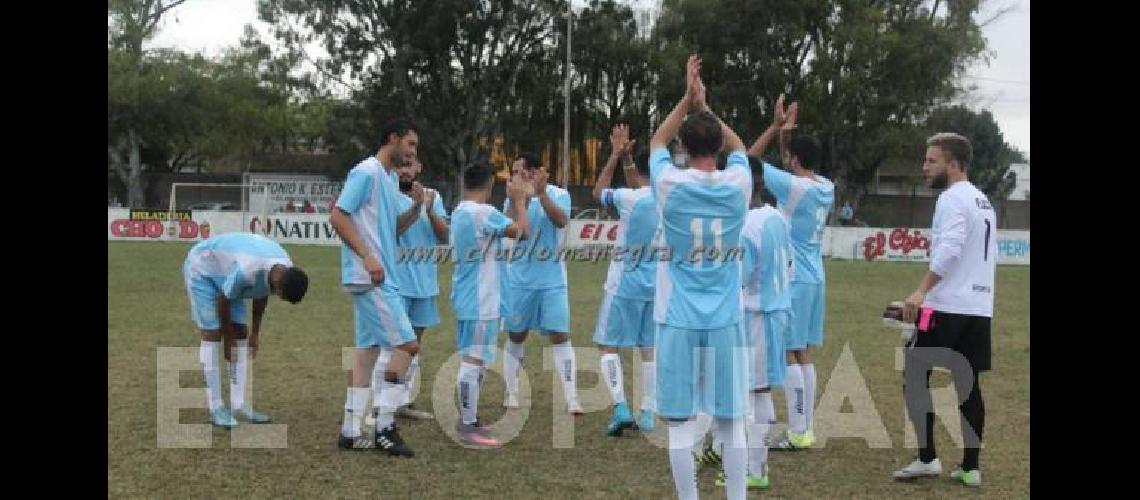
{"x":511,"y":400}
{"x":919,"y":469}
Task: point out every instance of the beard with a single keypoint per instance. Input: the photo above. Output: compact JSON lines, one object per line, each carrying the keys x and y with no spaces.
{"x":939,"y":181}
{"x":405,"y":186}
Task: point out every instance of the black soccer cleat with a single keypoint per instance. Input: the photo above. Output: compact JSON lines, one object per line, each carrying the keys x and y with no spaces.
{"x":389,"y":440}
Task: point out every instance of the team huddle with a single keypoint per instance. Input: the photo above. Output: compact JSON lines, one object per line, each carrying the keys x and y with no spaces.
{"x":715,"y":334}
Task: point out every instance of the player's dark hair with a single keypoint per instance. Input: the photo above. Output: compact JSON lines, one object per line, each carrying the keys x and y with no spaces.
{"x":477,"y":175}
{"x":294,"y":284}
{"x":531,"y":160}
{"x":641,"y":161}
{"x":701,"y":134}
{"x":807,"y":149}
{"x":398,"y":126}
{"x":757,"y":167}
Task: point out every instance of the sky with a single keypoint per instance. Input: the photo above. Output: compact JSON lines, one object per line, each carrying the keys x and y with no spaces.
{"x":1002,"y":84}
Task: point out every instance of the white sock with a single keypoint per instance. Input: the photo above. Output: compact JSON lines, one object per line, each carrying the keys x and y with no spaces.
{"x":354,"y":413}
{"x":410,"y":386}
{"x":794,"y":392}
{"x":482,"y":373}
{"x":682,"y":438}
{"x":649,"y":385}
{"x":346,"y":424}
{"x":611,"y":372}
{"x":378,"y":371}
{"x":468,"y":390}
{"x":769,"y":408}
{"x":733,"y":458}
{"x":512,"y":363}
{"x":809,"y":394}
{"x":208,"y":356}
{"x":391,"y":394}
{"x":567,"y":371}
{"x":704,"y":423}
{"x":764,"y":415}
{"x":238,"y":370}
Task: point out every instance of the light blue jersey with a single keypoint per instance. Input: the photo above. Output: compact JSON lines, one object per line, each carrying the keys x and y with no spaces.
{"x":633,"y":274}
{"x":370,"y":197}
{"x":805,"y":204}
{"x":702,"y":210}
{"x":768,"y":261}
{"x":418,"y":278}
{"x":504,"y":265}
{"x":537,"y":266}
{"x":475,"y":232}
{"x":236,"y":264}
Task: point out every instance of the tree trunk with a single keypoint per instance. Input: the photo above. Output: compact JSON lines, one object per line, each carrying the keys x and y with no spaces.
{"x":136,"y":197}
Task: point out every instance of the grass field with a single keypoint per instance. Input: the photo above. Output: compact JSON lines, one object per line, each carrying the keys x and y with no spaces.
{"x":298,"y":379}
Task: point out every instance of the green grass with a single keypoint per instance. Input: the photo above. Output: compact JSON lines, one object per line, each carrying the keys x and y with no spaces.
{"x":299,"y":381}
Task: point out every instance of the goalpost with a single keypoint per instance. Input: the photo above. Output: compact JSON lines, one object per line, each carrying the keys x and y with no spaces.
{"x":250,"y":199}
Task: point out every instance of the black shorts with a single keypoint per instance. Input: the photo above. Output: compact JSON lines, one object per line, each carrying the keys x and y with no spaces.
{"x":964,"y":334}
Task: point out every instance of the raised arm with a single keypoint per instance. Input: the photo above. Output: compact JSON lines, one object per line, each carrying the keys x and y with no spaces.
{"x":631,"y":176}
{"x":781,"y":122}
{"x":732,"y":142}
{"x":672,"y":123}
{"x":620,"y":146}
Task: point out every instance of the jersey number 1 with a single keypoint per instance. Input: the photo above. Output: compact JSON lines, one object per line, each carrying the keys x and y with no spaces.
{"x":821,"y":223}
{"x":986,"y":250}
{"x":697,"y":228}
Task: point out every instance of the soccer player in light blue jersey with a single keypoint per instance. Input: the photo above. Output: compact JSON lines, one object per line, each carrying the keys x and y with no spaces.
{"x":221,"y":273}
{"x":767,"y":272}
{"x":537,"y":279}
{"x":475,"y":291}
{"x":768,"y":267}
{"x":625,"y":317}
{"x":365,"y":218}
{"x":421,"y":226}
{"x":805,"y":199}
{"x":702,"y":353}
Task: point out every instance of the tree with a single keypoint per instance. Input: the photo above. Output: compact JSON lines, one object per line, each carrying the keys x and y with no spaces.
{"x":989,"y":170}
{"x":612,"y":68}
{"x":189,"y":109}
{"x":751,"y":52}
{"x":130,"y":22}
{"x":166,"y":109}
{"x":866,"y":72}
{"x":466,"y":68}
